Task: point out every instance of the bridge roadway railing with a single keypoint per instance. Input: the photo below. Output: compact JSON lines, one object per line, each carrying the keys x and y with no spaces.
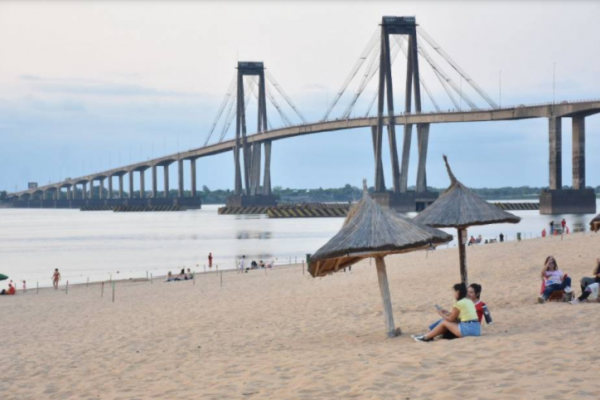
{"x":536,"y":110}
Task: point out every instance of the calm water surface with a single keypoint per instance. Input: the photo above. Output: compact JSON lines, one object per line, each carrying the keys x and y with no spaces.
{"x":97,"y":244}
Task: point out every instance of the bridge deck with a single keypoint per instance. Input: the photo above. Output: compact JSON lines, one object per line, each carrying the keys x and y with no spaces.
{"x":564,"y":109}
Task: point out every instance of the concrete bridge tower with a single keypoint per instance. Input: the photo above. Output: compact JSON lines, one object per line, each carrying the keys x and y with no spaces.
{"x":400,"y":198}
{"x":248,"y":190}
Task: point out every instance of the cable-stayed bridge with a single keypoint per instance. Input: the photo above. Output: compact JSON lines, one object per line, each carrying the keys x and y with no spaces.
{"x":252,"y":152}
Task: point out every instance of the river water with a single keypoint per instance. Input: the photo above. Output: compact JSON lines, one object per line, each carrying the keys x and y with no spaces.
{"x":103,"y":244}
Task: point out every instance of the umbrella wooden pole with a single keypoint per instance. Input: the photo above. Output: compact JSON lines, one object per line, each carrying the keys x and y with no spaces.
{"x":385,"y":296}
{"x":462,"y":254}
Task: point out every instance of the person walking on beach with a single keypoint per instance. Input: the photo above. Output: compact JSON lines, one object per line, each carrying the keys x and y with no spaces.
{"x":551,"y":228}
{"x":563,"y":223}
{"x":501,"y":238}
{"x":242,"y":264}
{"x":209,"y":260}
{"x":55,"y":278}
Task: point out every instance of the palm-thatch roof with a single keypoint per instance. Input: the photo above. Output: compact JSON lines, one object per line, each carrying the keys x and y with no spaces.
{"x":458,"y":207}
{"x":369,"y":231}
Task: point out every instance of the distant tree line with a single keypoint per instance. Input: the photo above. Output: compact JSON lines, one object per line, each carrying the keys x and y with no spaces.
{"x":320,"y":195}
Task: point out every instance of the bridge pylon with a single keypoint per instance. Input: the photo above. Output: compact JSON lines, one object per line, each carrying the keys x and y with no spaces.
{"x":247,"y":188}
{"x":399,"y":198}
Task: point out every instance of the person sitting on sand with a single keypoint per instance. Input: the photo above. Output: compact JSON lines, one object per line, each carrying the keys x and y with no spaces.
{"x":589,"y":285}
{"x":253,"y":265}
{"x":554,"y":279}
{"x":170,"y":277}
{"x":181,"y":276}
{"x":189,"y":274}
{"x":592,"y":288}
{"x":461,"y":321}
{"x":11,"y":291}
{"x":261,"y":264}
{"x":474,"y":294}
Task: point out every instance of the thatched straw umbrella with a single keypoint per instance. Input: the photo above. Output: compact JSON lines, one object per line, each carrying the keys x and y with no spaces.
{"x":595,"y":223}
{"x":460,"y":208}
{"x":371,"y":231}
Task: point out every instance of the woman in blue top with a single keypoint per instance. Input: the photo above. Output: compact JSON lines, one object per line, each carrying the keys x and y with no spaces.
{"x":461,"y":321}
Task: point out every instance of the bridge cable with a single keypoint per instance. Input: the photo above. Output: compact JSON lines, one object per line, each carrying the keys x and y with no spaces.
{"x":370,"y":71}
{"x":456,"y":67}
{"x":423,"y":52}
{"x":401,"y":43}
{"x":254,"y":89}
{"x":226,"y":100}
{"x":228,"y":122}
{"x":279,"y":88}
{"x":371,"y":45}
{"x":275,"y":103}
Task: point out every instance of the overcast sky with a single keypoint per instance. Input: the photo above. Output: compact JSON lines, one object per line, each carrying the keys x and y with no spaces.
{"x":88,"y":86}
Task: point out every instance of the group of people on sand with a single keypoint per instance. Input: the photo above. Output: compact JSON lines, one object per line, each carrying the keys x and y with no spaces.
{"x":242,"y":268}
{"x":464,"y":319}
{"x":479,"y":240}
{"x":183,"y":276}
{"x":554,"y":279}
{"x":11,"y":291}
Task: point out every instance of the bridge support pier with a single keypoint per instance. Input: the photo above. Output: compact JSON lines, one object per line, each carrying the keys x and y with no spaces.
{"x":142,"y":184}
{"x":180,"y":177}
{"x":154,"y":183}
{"x":131,"y":184}
{"x":166,"y":180}
{"x":423,"y":141}
{"x":579,"y":199}
{"x":121,"y":186}
{"x":101,"y":189}
{"x":91,"y":191}
{"x":267,"y":176}
{"x":110,"y":187}
{"x":193,"y":176}
{"x":578,"y":152}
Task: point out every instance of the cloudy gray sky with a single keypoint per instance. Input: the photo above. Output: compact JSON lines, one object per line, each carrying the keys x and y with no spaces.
{"x":88,"y":86}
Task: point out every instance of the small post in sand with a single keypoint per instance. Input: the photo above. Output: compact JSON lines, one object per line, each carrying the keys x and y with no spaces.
{"x":194,"y":278}
{"x":302,"y":267}
{"x":113,"y":297}
{"x":146,"y":275}
{"x":221,"y":275}
{"x":102,"y":290}
{"x":37,"y":287}
{"x":67,"y":290}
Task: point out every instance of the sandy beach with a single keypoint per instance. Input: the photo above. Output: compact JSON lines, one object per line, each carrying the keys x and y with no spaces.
{"x":285,"y":335}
